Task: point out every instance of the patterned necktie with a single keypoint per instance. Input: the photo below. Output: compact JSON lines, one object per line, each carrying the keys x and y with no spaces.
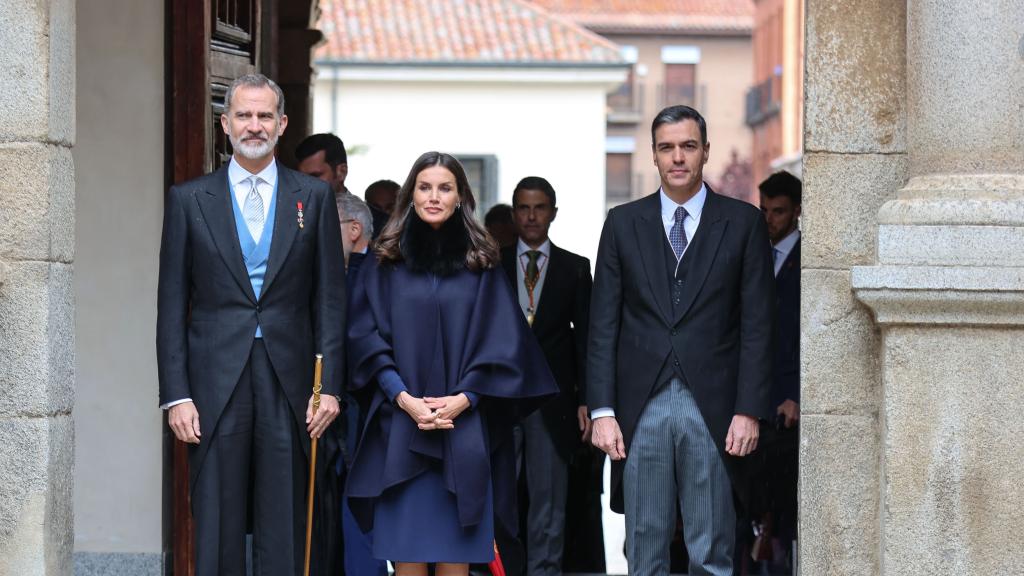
{"x":252,"y":211}
{"x":677,"y":235}
{"x":532,"y":271}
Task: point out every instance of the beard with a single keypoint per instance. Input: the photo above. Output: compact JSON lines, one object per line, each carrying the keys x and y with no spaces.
{"x":254,"y":149}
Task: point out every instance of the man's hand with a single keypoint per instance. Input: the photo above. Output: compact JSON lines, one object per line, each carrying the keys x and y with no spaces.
{"x":424,"y":416}
{"x":583,"y":417}
{"x":184,"y":421}
{"x":608,"y":437}
{"x":791,"y":411}
{"x":328,"y":411}
{"x":742,"y":437}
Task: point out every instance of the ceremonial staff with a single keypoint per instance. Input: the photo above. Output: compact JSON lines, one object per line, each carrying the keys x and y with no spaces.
{"x":312,"y":463}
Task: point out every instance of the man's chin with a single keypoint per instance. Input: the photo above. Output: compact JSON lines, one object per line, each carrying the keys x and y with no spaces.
{"x":256,"y":152}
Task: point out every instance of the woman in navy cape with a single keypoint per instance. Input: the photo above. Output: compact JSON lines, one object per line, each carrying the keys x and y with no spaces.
{"x":443,"y":365}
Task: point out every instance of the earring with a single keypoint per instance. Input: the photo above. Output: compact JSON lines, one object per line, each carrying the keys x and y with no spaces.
{"x":412,"y":204}
{"x":458,"y":205}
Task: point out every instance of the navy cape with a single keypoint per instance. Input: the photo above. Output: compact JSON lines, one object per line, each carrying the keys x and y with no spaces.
{"x":443,"y":335}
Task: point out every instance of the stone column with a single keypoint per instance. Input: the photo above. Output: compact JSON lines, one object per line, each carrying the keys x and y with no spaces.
{"x":37,"y":81}
{"x":948,"y":293}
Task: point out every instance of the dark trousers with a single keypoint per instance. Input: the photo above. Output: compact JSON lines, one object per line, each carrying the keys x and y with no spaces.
{"x":547,"y":486}
{"x":255,"y":463}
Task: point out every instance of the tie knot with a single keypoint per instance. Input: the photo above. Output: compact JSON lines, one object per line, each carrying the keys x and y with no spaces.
{"x":680,"y":214}
{"x":533,"y":256}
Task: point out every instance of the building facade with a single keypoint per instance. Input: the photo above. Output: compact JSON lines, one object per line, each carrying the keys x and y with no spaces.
{"x":774,"y":105}
{"x":680,"y":52}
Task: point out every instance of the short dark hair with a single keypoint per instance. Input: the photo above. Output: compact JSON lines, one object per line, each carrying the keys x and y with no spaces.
{"x":536,"y":183}
{"x":389,"y":186}
{"x":498,"y":214}
{"x":333,"y":147}
{"x":676,"y":114}
{"x":782,"y":184}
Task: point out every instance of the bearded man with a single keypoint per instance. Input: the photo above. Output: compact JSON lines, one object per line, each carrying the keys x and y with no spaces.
{"x":251,"y":287}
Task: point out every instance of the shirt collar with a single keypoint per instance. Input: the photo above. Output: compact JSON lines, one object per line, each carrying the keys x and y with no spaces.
{"x":785,"y":246}
{"x":237,"y":174}
{"x":522,"y":248}
{"x":694,"y":206}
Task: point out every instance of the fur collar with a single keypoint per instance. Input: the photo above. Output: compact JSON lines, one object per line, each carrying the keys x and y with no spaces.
{"x":441,"y":252}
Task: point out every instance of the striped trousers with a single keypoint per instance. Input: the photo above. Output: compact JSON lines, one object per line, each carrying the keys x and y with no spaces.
{"x":673,"y":460}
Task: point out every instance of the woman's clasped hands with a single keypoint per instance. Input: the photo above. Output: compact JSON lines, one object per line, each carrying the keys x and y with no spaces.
{"x":433,"y":413}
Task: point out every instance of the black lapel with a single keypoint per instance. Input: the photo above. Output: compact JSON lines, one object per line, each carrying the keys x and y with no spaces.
{"x":553,"y":270}
{"x":702,"y":252}
{"x":792,"y":263}
{"x":286,"y":221}
{"x":216,"y":205}
{"x":650,"y":237}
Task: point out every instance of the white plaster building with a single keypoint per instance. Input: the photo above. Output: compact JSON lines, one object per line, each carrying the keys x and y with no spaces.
{"x":527,"y":102}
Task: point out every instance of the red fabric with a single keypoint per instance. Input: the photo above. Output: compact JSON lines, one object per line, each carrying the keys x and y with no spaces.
{"x":497,"y":569}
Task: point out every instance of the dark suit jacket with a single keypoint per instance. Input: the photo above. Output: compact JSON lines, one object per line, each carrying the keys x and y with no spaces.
{"x":721,"y":332}
{"x":786,"y":356}
{"x":207,"y":311}
{"x":560,"y":325}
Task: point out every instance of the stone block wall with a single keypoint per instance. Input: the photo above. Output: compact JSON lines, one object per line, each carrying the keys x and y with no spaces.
{"x":37,"y":95}
{"x":854,"y":161}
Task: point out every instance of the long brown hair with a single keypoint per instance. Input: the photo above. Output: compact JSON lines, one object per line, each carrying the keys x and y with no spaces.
{"x":482,"y":252}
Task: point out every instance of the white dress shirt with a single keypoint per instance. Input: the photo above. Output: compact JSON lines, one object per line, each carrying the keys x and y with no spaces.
{"x":781,"y":250}
{"x":237,"y":176}
{"x":521,"y":262}
{"x":694,"y":208}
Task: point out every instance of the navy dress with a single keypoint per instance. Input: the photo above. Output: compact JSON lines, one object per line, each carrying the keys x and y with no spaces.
{"x":432,"y":496}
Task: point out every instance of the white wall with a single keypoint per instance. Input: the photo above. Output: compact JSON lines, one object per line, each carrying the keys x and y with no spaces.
{"x":119,"y":167}
{"x":553,"y":129}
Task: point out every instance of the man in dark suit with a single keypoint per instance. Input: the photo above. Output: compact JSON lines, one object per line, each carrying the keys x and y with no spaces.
{"x":554,"y":293}
{"x":323,"y":156}
{"x":251,"y":287}
{"x":780,"y":203}
{"x":380,"y":197}
{"x":679,"y":358}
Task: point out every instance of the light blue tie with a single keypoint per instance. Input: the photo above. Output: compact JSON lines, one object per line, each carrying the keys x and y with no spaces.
{"x":677,"y":235}
{"x":252,"y":211}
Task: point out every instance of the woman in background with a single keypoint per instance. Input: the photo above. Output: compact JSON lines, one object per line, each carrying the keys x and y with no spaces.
{"x":443,"y":363}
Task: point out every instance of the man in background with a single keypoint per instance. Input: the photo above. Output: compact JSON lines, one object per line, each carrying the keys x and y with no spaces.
{"x":356,"y":232}
{"x":380,"y":197}
{"x":323,"y":156}
{"x":356,"y":229}
{"x":780,"y":202}
{"x":553,"y":287}
{"x":500,"y":225}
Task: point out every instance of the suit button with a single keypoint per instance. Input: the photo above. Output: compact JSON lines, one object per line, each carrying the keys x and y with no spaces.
{"x":676,"y":362}
{"x":672,"y":332}
{"x":259,"y":308}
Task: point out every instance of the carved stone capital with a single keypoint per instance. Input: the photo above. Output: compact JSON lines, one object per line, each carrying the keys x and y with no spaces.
{"x":947,"y":295}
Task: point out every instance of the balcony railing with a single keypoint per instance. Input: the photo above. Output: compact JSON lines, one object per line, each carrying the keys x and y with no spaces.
{"x":763,"y":102}
{"x":626,"y":104}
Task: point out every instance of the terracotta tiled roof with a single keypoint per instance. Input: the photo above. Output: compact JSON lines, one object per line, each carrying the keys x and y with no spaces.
{"x":456,"y":31}
{"x":654,"y":16}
